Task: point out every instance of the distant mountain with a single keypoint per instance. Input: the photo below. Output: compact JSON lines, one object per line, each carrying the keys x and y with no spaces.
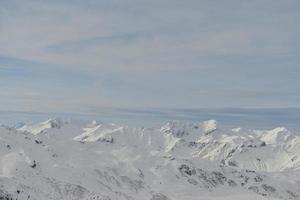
{"x":59,"y":159}
{"x":42,"y":127}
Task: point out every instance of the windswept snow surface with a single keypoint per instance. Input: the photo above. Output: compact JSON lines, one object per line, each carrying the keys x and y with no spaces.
{"x":59,"y":159}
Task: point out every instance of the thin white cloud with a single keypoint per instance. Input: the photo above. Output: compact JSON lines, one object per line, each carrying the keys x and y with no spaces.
{"x":115,"y":39}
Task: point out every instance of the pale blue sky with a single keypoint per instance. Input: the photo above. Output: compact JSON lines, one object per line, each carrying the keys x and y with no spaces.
{"x":79,"y":56}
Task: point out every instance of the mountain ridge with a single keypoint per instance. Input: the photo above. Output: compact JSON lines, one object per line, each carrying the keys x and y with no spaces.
{"x":78,"y":160}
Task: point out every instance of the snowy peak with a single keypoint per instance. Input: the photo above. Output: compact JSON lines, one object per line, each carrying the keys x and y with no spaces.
{"x":275,"y":136}
{"x":209,"y":126}
{"x":42,"y":127}
{"x":54,"y":123}
{"x":98,"y":133}
{"x":190,"y":131}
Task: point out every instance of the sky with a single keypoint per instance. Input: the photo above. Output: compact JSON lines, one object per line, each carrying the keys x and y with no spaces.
{"x":81,"y":56}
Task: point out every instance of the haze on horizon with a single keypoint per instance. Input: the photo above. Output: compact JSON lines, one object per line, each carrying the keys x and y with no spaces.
{"x":79,"y":56}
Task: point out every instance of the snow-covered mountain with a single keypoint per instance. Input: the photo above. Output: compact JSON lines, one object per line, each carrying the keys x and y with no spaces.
{"x":59,"y":159}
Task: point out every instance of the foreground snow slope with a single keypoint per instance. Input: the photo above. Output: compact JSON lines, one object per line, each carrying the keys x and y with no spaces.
{"x":59,"y":159}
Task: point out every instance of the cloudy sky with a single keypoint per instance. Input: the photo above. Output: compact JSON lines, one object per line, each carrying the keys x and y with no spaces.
{"x":79,"y":56}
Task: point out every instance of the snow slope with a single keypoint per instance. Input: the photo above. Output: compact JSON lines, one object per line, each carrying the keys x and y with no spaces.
{"x":57,"y":159}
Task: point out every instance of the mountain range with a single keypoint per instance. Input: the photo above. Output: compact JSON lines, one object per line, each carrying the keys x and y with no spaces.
{"x":74,"y":160}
